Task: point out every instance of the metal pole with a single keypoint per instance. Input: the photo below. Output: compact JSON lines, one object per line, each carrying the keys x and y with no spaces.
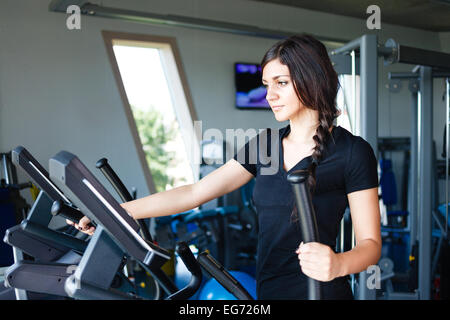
{"x":369,"y":90}
{"x":447,"y":94}
{"x":5,"y":169}
{"x":348,"y":47}
{"x":354,"y":109}
{"x":402,"y":75}
{"x":412,"y":75}
{"x":425,"y":176}
{"x":18,"y":257}
{"x":368,"y":123}
{"x":95,"y":10}
{"x":413,"y":203}
{"x":356,"y":131}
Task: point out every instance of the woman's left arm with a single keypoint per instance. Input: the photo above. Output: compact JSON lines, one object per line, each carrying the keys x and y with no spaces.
{"x":320,"y":262}
{"x":365,"y":212}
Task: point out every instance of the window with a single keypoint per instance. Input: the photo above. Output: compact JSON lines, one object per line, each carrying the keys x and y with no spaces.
{"x":350,"y":111}
{"x":157,"y":105}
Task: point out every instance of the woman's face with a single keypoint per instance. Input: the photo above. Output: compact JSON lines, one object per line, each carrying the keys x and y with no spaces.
{"x":281,"y":94}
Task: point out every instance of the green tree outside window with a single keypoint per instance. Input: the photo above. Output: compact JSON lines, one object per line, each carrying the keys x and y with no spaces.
{"x":155,"y":135}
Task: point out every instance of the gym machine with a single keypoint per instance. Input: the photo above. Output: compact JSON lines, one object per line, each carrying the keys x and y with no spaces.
{"x":54,"y":253}
{"x":70,"y":174}
{"x":13,"y":206}
{"x":429,"y":63}
{"x":43,"y":276}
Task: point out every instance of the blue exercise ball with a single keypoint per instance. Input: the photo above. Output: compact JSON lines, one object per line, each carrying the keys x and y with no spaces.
{"x":213,"y":290}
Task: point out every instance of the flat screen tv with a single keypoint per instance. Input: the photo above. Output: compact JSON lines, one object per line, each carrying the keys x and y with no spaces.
{"x":250,"y":93}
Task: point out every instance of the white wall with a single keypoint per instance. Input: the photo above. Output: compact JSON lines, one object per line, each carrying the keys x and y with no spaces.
{"x":57,"y":89}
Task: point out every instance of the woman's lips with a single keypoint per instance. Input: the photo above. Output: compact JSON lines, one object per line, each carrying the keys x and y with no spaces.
{"x":275,"y":108}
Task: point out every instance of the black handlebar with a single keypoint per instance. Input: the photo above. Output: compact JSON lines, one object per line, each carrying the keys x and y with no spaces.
{"x":217,"y":271}
{"x":193,"y":267}
{"x":19,"y":186}
{"x":120,"y":188}
{"x":114,"y":179}
{"x":61,"y":209}
{"x":307,"y":220}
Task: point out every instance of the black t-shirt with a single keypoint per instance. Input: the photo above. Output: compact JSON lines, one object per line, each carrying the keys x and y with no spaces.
{"x":348,"y":164}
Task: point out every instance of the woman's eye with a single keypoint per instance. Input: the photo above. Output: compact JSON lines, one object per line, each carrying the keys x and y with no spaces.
{"x":279,"y":83}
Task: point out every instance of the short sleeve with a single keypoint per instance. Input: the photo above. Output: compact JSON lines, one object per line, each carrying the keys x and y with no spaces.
{"x":246,"y":156}
{"x":361,"y":169}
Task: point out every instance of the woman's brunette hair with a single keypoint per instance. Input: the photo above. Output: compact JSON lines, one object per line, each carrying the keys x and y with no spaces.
{"x":315,"y":82}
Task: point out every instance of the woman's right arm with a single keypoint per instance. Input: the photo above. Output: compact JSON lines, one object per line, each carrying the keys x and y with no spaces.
{"x":223,"y":180}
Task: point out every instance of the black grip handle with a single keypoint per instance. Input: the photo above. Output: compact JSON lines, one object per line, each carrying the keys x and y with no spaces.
{"x":120,"y":188}
{"x":20,"y":186}
{"x":193,"y":267}
{"x":68,"y":212}
{"x":307,"y":220}
{"x":114,"y":179}
{"x":218,"y":272}
{"x":24,"y":185}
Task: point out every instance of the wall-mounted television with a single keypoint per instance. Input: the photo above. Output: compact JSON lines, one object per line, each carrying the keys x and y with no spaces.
{"x":250,"y":93}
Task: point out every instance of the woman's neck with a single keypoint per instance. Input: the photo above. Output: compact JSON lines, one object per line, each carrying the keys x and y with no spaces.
{"x":303,"y":127}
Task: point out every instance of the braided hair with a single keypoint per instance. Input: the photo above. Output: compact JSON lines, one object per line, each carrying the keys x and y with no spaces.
{"x":316,"y":85}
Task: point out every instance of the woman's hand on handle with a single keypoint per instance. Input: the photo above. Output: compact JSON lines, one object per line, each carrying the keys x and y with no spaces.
{"x":318,"y":261}
{"x":83,"y":225}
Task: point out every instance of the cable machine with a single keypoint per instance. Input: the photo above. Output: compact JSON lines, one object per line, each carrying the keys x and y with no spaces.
{"x":429,"y":64}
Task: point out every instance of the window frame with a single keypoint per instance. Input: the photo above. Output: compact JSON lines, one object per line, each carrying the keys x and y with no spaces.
{"x":179,"y":91}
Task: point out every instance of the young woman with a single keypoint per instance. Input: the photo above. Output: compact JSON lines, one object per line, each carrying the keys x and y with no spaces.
{"x":301,"y":88}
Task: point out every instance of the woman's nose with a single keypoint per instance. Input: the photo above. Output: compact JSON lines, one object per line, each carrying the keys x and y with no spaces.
{"x":270,"y":95}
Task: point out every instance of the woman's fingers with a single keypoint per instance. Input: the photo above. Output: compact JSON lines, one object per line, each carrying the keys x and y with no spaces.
{"x":83,"y":223}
